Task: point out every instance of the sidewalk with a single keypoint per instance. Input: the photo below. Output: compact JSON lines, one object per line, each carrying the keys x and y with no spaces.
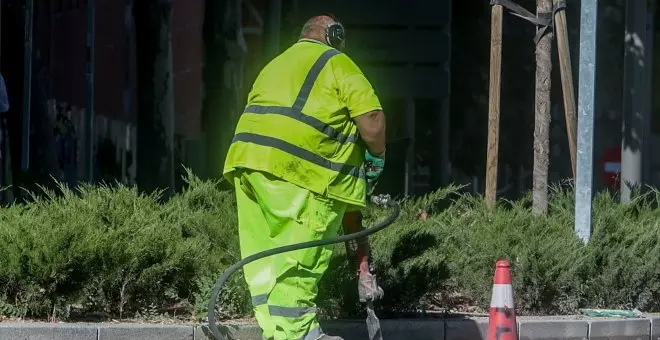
{"x":569,"y":327}
{"x":530,"y":328}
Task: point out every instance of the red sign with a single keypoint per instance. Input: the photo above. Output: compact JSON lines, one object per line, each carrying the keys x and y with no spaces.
{"x":610,"y":165}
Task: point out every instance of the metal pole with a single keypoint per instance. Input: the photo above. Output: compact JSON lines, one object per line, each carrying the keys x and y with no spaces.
{"x":89,"y":100}
{"x":586,"y":101}
{"x":27,"y":84}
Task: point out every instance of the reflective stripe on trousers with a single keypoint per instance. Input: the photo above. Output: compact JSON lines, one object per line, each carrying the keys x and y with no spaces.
{"x":286,"y":312}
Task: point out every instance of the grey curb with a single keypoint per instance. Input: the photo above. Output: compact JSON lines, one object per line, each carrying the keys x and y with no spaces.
{"x":538,"y":328}
{"x":554,"y":329}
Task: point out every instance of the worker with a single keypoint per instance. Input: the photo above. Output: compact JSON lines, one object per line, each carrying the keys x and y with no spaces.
{"x":297,"y":161}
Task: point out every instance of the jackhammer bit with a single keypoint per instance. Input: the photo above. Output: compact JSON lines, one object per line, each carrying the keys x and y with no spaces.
{"x":368,"y":288}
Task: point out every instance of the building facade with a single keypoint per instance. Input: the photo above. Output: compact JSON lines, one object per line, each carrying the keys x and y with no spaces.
{"x":429,"y":64}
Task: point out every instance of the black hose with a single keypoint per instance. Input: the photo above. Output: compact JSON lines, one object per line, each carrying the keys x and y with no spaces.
{"x":384,"y":201}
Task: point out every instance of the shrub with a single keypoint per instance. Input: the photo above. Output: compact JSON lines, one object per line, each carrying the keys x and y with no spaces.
{"x":113,"y":250}
{"x":553,"y":271}
{"x":116,"y":251}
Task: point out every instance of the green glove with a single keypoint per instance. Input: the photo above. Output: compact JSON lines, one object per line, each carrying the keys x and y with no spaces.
{"x":374,"y":165}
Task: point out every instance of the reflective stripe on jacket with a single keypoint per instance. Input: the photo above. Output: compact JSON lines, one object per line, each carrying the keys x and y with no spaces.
{"x":311,"y":143}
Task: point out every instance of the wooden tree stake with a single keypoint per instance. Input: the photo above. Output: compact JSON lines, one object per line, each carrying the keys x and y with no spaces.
{"x":494,"y":104}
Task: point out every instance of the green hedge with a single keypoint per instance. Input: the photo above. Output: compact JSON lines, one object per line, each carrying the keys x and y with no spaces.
{"x":114,"y":251}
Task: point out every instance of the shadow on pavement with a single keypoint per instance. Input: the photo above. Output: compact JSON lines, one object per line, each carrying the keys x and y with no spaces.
{"x":408,"y":329}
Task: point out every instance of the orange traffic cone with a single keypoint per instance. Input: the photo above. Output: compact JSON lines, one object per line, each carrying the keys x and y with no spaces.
{"x":502,"y":321}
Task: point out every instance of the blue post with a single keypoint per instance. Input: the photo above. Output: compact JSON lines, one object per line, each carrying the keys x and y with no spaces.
{"x":586,"y":101}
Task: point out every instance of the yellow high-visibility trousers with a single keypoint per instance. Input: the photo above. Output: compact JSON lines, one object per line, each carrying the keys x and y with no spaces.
{"x":273,"y":213}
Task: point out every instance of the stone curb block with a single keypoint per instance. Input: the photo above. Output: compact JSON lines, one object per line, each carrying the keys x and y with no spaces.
{"x":146,"y":332}
{"x":349,"y":330}
{"x":451,"y":329}
{"x":238,"y":332}
{"x":655,"y":328}
{"x":39,"y":331}
{"x":552,"y":329}
{"x":619,"y":329}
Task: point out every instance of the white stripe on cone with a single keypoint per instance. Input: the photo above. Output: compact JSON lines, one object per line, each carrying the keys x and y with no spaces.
{"x":502,"y":296}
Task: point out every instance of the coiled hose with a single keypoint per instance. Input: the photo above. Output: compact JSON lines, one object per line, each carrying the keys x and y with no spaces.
{"x":381,"y":200}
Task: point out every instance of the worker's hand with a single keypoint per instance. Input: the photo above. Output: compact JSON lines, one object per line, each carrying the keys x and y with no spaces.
{"x":368,"y":288}
{"x":374,"y":165}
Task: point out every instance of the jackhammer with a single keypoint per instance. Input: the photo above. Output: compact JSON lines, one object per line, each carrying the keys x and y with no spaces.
{"x":352,"y":224}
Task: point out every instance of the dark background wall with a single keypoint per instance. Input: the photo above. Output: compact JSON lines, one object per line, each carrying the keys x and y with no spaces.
{"x":59,"y":41}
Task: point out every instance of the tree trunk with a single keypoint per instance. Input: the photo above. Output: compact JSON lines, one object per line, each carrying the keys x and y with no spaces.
{"x":542,"y":115}
{"x":155,"y":91}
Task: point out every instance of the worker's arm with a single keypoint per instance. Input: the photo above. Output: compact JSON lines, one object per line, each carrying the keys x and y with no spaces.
{"x":360,"y":253}
{"x":371,"y":126}
{"x":363,"y":105}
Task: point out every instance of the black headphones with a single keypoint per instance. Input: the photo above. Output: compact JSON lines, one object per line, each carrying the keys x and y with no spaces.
{"x":335,"y":35}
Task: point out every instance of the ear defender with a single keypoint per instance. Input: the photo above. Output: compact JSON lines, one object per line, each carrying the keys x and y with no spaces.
{"x":335,"y":34}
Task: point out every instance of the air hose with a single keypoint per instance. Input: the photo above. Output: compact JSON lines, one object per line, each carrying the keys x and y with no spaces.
{"x":381,"y":200}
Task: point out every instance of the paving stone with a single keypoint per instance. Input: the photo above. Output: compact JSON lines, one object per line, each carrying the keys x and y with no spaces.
{"x":352,"y":330}
{"x":452,"y":329}
{"x":552,"y":329}
{"x":145,"y":332}
{"x":237,"y":331}
{"x":630,"y":329}
{"x":655,"y":328}
{"x":11,"y":331}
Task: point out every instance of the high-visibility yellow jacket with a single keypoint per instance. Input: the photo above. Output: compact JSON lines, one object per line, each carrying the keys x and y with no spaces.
{"x":298,"y":125}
